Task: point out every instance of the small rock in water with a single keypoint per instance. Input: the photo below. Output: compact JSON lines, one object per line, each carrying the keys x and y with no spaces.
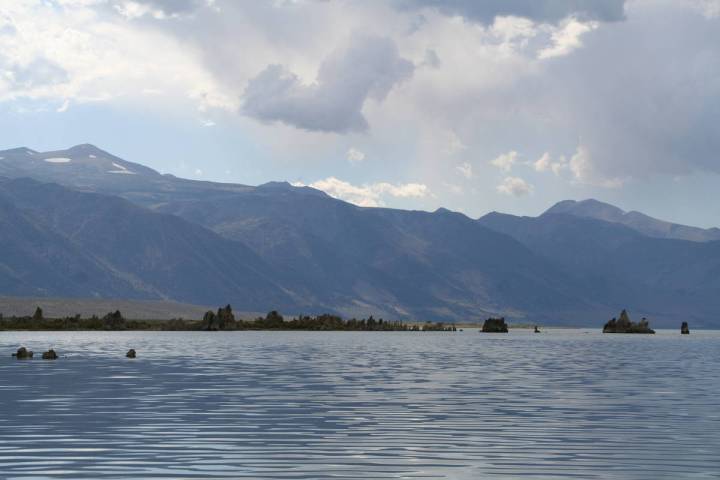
{"x":537,"y":330}
{"x":23,"y":353}
{"x":130,"y":353}
{"x":685,"y":329}
{"x":50,"y":355}
{"x":495,"y":325}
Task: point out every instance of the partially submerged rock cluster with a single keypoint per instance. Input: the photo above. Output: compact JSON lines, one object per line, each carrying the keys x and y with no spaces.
{"x":495,"y":325}
{"x":625,"y":325}
{"x":25,"y":354}
{"x":50,"y":355}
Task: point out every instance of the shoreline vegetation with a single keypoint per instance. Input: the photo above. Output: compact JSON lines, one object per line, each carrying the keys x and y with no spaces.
{"x":223,"y":319}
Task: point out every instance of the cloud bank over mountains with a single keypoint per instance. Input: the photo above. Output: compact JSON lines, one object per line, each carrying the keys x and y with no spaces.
{"x":588,"y":96}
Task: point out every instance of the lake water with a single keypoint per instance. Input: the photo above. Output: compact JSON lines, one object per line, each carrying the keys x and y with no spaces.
{"x":315,"y":405}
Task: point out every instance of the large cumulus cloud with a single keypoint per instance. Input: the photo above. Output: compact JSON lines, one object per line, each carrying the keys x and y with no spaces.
{"x":640,"y":100}
{"x":367,"y":69}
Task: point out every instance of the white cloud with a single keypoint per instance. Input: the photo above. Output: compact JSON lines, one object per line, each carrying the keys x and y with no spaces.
{"x":514,"y":186}
{"x":543,"y":163}
{"x":198,"y":172}
{"x":132,"y":10}
{"x":584,"y":171}
{"x":368,"y":195}
{"x":567,"y":39}
{"x":354,"y":155}
{"x":72,"y":53}
{"x":505,"y":161}
{"x":559,"y":166}
{"x":465,"y":170}
{"x":63,"y":108}
{"x":709,"y":8}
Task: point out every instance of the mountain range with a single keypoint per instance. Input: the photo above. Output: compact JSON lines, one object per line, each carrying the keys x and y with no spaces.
{"x":84,"y":223}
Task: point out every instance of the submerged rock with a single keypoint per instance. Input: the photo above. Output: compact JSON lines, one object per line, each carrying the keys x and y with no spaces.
{"x":50,"y":355}
{"x":23,"y":353}
{"x":625,"y":325}
{"x":131,"y":353}
{"x":495,"y":325}
{"x":685,"y":329}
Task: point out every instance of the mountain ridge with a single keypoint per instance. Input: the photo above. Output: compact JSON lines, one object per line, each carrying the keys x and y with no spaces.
{"x":638,"y":221}
{"x":304,"y":251}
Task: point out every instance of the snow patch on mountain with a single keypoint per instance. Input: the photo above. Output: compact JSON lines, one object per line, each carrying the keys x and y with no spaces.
{"x":121,"y":169}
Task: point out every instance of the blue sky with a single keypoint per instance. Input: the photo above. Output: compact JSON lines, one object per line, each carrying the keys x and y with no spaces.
{"x":473,"y":106}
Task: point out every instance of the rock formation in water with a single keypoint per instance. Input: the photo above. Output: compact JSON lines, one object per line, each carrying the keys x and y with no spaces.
{"x":23,"y":353}
{"x":537,"y":330}
{"x":685,"y":329}
{"x":50,"y":355}
{"x":495,"y":325}
{"x":625,"y":325}
{"x":131,"y":353}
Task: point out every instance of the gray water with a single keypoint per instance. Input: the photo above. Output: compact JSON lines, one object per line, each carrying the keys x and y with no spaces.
{"x":562,"y":404}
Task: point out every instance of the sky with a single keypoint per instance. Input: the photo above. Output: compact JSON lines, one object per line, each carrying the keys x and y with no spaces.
{"x":506,"y":105}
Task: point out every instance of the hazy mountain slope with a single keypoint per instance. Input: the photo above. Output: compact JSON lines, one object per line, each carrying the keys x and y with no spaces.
{"x":156,"y":255}
{"x":426,"y":265}
{"x":666,"y":279}
{"x":301,"y":250}
{"x":36,"y":261}
{"x":640,"y":222}
{"x":325,"y":253}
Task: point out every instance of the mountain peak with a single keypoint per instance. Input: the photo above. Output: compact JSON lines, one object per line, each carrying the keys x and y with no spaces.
{"x":276,"y":185}
{"x":19,"y":151}
{"x":87,"y":149}
{"x":640,"y":222}
{"x":588,"y":208}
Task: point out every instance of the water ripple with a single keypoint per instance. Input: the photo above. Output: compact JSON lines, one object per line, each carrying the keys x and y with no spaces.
{"x":316,"y":405}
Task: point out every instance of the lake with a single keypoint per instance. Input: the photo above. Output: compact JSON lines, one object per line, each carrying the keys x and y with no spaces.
{"x":315,"y":405}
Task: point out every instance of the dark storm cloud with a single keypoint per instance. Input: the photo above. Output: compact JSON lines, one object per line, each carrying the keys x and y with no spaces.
{"x":543,"y":11}
{"x":369,"y":68}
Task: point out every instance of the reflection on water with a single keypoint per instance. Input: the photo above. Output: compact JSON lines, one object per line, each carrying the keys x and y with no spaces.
{"x":566,"y":403}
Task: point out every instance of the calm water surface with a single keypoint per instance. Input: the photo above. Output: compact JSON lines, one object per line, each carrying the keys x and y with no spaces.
{"x":295,"y":405}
